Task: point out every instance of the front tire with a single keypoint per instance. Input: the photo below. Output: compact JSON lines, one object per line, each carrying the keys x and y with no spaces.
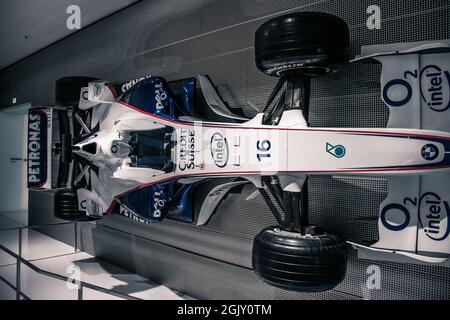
{"x":66,"y":206}
{"x":312,"y":43}
{"x":311,"y":262}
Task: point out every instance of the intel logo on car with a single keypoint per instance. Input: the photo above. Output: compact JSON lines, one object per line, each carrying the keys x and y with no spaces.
{"x":434,"y":216}
{"x":435,"y":88}
{"x":219,"y":149}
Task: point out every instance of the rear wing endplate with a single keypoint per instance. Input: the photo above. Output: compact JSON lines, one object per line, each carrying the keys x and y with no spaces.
{"x":39,"y":147}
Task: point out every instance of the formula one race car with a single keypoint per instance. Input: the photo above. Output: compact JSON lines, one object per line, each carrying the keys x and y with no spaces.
{"x":145,"y":150}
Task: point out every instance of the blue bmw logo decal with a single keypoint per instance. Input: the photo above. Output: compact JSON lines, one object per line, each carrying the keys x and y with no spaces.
{"x":430,"y":152}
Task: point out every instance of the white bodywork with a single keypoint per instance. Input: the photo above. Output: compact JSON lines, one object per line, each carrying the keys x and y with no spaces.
{"x":413,"y":218}
{"x":283,"y":150}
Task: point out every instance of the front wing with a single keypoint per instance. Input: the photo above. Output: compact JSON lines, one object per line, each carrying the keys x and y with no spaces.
{"x":414,"y":220}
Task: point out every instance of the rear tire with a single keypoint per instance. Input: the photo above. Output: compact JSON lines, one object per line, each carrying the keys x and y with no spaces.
{"x":312,"y":43}
{"x":66,"y":206}
{"x":67,"y":90}
{"x":313,"y":262}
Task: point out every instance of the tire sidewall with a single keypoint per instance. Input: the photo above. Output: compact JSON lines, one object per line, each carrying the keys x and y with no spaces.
{"x":66,"y":206}
{"x":311,"y":43}
{"x":304,"y":263}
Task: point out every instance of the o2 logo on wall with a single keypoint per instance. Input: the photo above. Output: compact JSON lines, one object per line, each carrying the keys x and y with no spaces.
{"x":434,"y":88}
{"x":433,"y":215}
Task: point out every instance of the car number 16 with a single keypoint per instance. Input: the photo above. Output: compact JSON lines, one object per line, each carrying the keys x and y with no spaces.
{"x":263,"y":147}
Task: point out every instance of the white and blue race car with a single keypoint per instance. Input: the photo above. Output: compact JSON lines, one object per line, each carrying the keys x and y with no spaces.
{"x":150,"y":149}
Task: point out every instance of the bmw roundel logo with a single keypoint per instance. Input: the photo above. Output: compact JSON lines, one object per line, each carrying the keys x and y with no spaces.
{"x":430,"y":152}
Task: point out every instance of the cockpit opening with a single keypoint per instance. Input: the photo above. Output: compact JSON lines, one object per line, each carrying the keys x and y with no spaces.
{"x":152,"y":149}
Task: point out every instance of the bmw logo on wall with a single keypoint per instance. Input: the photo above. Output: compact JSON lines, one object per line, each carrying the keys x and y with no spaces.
{"x":430,"y":152}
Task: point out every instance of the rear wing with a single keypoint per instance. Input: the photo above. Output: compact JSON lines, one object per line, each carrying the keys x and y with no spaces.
{"x":39,"y":147}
